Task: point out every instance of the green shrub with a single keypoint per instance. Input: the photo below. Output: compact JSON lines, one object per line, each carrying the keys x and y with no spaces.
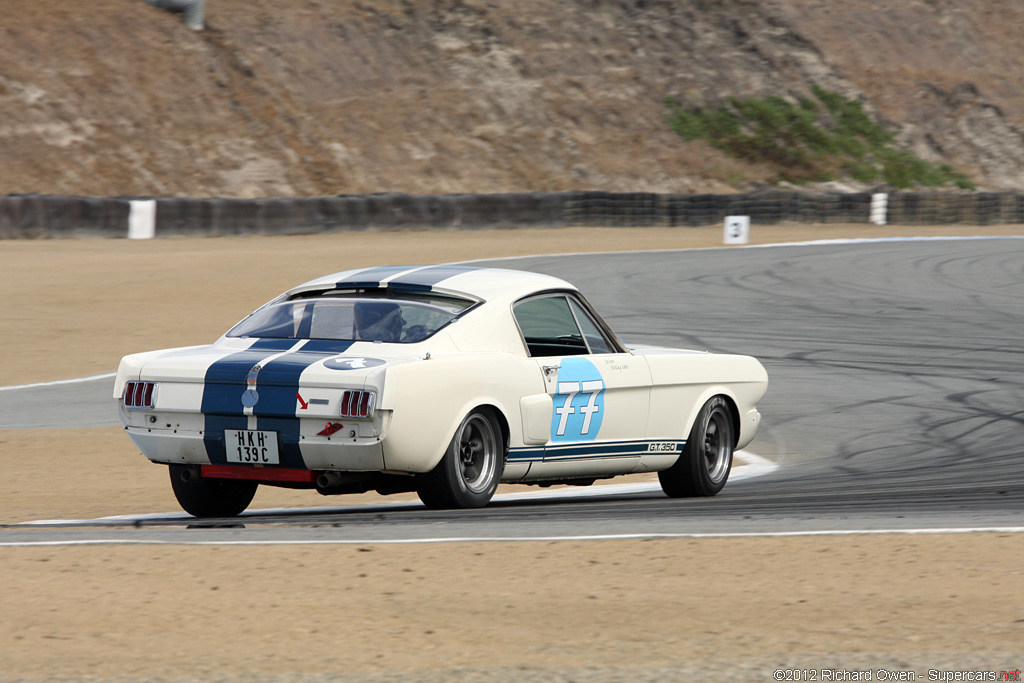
{"x":809,"y":140}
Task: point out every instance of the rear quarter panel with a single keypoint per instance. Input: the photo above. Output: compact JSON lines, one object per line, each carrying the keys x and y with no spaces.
{"x":684,"y":381}
{"x":429,"y":400}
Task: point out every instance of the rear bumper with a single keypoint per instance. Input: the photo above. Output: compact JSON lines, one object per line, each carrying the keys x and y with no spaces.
{"x":337,"y":453}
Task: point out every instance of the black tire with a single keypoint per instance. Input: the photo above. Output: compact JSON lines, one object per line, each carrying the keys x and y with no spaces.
{"x":210,"y":497}
{"x":470,"y":469}
{"x":703,"y":467}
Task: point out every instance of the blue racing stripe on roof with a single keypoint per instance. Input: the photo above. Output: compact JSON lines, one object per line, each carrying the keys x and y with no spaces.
{"x":371,"y":277}
{"x":426,"y":278}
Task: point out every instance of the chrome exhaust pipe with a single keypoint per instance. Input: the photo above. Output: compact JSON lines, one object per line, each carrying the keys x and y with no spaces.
{"x":327,"y":480}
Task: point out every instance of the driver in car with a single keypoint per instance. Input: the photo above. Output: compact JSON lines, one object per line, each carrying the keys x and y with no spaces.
{"x":378,"y":321}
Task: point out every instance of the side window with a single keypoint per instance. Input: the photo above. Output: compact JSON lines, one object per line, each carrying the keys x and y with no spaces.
{"x":596,"y":340}
{"x":549,"y":328}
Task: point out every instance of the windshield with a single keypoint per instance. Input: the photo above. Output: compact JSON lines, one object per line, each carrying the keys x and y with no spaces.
{"x":353,"y":318}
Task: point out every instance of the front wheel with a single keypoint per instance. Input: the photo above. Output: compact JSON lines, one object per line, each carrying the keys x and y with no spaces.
{"x":470,"y":469}
{"x":703,"y":467}
{"x":210,"y":497}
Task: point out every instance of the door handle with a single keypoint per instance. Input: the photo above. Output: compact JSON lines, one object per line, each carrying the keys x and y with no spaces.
{"x":549,"y":369}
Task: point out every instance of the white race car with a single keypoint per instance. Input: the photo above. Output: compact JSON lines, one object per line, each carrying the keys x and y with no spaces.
{"x":444,"y":380}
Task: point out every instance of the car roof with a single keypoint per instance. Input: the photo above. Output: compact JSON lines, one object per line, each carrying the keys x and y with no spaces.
{"x":476,"y":282}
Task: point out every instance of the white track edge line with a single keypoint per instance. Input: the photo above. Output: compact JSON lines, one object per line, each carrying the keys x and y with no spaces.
{"x":535,"y":539}
{"x":76,"y":380}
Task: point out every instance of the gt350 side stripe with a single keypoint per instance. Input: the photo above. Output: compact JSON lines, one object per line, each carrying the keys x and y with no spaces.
{"x":608,"y":449}
{"x":605,"y":450}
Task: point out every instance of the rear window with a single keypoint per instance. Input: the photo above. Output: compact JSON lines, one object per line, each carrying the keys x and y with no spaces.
{"x":379,"y":317}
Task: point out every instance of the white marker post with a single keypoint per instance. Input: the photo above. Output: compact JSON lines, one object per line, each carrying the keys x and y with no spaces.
{"x":879,"y":208}
{"x":141,"y":219}
{"x":737,"y":229}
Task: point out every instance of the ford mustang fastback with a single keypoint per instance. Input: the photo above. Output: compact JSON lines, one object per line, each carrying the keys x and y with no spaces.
{"x":443,"y":380}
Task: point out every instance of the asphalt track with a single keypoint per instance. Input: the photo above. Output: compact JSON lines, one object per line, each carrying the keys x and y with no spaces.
{"x":896,"y":400}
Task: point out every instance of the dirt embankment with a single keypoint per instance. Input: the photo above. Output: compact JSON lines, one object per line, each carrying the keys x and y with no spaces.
{"x":115,"y":97}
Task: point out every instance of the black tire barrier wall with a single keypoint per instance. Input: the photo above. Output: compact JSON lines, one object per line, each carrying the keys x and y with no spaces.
{"x":671,"y":210}
{"x":983,"y":208}
{"x":355,"y":212}
{"x":49,"y":216}
{"x":28,"y":216}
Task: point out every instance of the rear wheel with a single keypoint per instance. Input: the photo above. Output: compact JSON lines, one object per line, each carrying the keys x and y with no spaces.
{"x":703,"y":467}
{"x":471,"y":468}
{"x":210,"y":497}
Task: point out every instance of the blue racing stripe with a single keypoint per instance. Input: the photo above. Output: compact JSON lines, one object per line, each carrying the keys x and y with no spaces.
{"x":213,"y":435}
{"x":278,"y":381}
{"x":287,"y":429}
{"x":426,"y":278}
{"x":371,"y":277}
{"x":277,"y":384}
{"x":225,"y":383}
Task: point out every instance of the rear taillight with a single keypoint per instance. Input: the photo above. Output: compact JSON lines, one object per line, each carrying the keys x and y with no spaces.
{"x":139,"y":395}
{"x":357,"y":404}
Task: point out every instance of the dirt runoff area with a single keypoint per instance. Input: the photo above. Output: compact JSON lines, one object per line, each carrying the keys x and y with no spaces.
{"x":825,"y":608}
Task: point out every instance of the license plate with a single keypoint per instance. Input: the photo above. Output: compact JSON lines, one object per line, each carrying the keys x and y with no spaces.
{"x":251,"y":447}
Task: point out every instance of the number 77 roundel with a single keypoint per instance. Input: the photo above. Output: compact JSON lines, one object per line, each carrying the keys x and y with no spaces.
{"x":579,"y":402}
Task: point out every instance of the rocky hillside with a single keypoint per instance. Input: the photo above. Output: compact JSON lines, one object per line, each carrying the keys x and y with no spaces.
{"x":320,"y":97}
